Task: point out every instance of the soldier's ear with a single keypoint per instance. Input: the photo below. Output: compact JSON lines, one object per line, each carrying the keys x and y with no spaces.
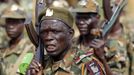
{"x":98,"y":16}
{"x":71,"y":33}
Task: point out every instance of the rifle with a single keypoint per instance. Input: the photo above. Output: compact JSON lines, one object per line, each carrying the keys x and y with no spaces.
{"x":107,"y":26}
{"x":34,"y":35}
{"x":39,"y":56}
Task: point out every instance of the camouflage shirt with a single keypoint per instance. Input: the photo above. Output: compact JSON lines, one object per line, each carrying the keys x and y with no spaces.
{"x":8,"y":57}
{"x":3,"y":38}
{"x":75,"y":62}
{"x":116,"y":52}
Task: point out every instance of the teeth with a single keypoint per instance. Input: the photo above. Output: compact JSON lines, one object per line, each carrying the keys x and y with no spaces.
{"x":50,"y":48}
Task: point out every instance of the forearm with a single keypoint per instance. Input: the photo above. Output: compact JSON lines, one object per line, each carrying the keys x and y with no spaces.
{"x":106,"y":67}
{"x":107,"y":9}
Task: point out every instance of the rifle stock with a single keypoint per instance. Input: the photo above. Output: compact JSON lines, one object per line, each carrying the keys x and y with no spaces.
{"x":32,"y":34}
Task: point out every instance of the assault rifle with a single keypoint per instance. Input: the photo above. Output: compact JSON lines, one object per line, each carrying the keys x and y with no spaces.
{"x":107,"y":26}
{"x":34,"y":34}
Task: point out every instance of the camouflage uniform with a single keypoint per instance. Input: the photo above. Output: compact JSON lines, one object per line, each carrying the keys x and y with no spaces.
{"x":128,"y":25}
{"x":70,"y":65}
{"x":63,"y":67}
{"x":116,"y":49}
{"x":11,"y":58}
{"x":131,"y":52}
{"x":3,"y":38}
{"x":85,"y":58}
{"x":117,"y":53}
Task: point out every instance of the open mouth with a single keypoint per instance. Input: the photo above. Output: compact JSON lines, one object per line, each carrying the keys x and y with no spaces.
{"x":83,"y":29}
{"x":50,"y":48}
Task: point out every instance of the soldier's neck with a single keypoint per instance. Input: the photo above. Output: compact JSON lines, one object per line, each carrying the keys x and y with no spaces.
{"x":61,"y":55}
{"x":86,"y":40}
{"x":14,"y":41}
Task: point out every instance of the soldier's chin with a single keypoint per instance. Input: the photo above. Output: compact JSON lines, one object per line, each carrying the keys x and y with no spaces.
{"x":12,"y":35}
{"x":83,"y":33}
{"x":54,"y":53}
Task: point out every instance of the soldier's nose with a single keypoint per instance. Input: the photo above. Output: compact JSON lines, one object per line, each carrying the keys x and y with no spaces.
{"x":11,"y":26}
{"x":81,"y":22}
{"x":49,"y":37}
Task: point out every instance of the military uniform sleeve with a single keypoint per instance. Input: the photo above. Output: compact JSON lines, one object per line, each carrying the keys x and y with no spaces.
{"x":117,"y":54}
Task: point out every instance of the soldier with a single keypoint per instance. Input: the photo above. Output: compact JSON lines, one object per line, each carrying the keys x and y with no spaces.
{"x":18,"y":44}
{"x":56,"y":34}
{"x":116,"y":51}
{"x":87,"y":19}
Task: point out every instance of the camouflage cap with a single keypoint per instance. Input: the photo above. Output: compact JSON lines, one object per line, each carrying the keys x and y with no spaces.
{"x":60,"y":14}
{"x":14,"y":11}
{"x":60,"y":3}
{"x":85,"y":6}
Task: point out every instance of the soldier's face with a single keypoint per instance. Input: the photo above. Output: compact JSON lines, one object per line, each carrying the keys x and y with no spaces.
{"x":85,"y":24}
{"x":56,"y":36}
{"x":14,"y":27}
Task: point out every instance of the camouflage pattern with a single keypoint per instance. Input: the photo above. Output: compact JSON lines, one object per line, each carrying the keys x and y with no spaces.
{"x":130,"y":43}
{"x":60,"y":3}
{"x":14,"y":11}
{"x":131,"y":53}
{"x":69,"y":65}
{"x":86,"y":55}
{"x":116,"y":52}
{"x":129,"y":32}
{"x":62,"y":67}
{"x":3,"y":38}
{"x":3,"y":6}
{"x":8,"y":57}
{"x":84,"y":6}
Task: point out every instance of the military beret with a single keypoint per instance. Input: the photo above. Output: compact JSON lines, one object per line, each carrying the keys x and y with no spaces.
{"x":60,"y":14}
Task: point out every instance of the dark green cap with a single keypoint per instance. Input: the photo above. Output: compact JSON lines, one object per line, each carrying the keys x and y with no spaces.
{"x":60,"y":14}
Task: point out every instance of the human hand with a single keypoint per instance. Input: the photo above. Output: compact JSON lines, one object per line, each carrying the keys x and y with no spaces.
{"x":98,"y":44}
{"x":35,"y":68}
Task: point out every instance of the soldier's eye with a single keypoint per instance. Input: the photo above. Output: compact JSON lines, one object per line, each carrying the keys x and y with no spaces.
{"x":43,"y":32}
{"x":55,"y":31}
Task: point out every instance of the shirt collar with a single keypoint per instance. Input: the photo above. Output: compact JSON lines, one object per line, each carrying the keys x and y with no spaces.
{"x":64,"y":64}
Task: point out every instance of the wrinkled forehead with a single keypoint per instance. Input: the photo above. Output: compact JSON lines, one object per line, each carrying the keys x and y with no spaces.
{"x":53,"y":24}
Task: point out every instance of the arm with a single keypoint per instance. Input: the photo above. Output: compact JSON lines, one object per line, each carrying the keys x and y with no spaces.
{"x":107,"y":9}
{"x":35,"y":68}
{"x":99,"y":52}
{"x":106,"y":66}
